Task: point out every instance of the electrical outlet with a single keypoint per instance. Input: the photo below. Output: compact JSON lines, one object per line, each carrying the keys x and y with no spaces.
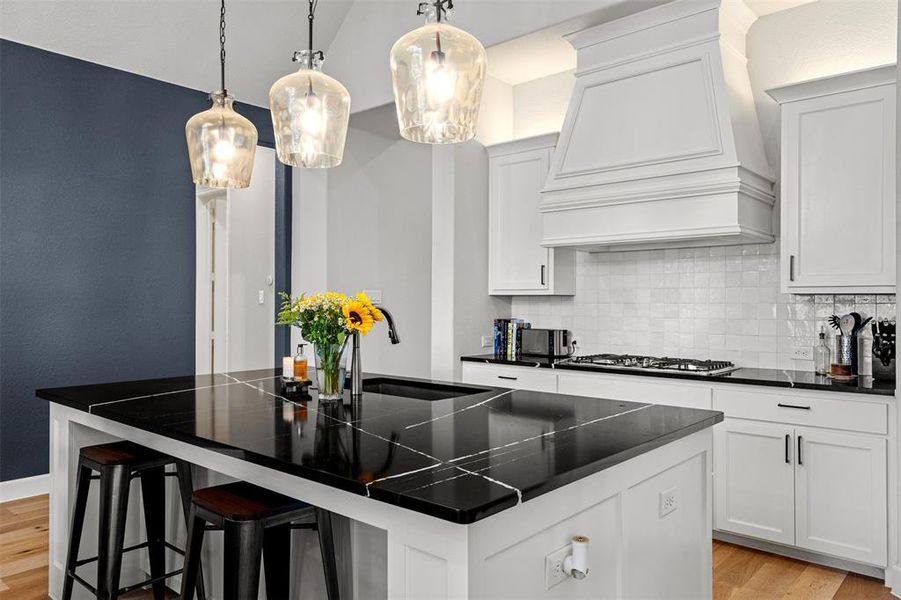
{"x":553,"y":567}
{"x":261,"y":297}
{"x":487,"y":341}
{"x":669,"y":501}
{"x":802,"y":353}
{"x":374,"y":295}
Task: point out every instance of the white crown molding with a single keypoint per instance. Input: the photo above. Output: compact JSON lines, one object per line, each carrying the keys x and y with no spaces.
{"x":835,"y":84}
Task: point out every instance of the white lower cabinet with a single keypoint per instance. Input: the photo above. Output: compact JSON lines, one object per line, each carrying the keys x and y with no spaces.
{"x":840,"y":494}
{"x":755,"y":480}
{"x":816,"y":489}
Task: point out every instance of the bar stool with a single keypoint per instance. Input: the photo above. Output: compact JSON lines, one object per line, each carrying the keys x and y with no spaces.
{"x":118,"y":464}
{"x":257,"y":523}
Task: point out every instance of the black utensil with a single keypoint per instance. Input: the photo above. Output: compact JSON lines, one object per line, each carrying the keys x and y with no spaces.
{"x":834,"y":321}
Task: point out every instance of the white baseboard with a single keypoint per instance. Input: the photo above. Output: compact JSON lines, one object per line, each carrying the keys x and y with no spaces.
{"x":893,"y":580}
{"x":16,"y":489}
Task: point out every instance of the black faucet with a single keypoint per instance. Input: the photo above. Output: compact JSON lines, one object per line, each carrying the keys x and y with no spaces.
{"x":392,"y":330}
{"x":356,"y":365}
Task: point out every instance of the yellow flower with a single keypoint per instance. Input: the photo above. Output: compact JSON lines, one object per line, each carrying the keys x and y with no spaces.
{"x":376,"y":313}
{"x":357,"y":316}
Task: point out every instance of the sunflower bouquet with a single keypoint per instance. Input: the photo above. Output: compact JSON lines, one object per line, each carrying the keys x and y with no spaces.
{"x":327,"y":320}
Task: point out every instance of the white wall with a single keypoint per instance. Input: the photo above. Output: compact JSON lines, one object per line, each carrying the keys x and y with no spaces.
{"x":474,"y":310}
{"x":379,"y":237}
{"x":823,"y":38}
{"x":496,"y":113}
{"x":539,"y":106}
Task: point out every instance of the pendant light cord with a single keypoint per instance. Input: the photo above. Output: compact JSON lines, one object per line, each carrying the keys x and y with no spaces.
{"x":222,"y":46}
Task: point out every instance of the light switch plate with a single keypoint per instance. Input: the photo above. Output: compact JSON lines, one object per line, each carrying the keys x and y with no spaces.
{"x":802,"y":353}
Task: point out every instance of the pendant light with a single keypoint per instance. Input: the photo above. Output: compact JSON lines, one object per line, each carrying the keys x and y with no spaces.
{"x":310,"y":111}
{"x":221,"y":143}
{"x":438,"y":71}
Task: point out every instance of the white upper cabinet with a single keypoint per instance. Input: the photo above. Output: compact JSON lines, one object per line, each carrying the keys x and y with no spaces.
{"x":838,"y":183}
{"x":517,"y":263}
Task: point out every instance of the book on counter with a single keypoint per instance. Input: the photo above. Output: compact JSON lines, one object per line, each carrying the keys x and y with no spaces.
{"x":508,"y":338}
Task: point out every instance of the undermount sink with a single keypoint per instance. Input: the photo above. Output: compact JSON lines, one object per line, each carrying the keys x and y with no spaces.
{"x":421,"y":390}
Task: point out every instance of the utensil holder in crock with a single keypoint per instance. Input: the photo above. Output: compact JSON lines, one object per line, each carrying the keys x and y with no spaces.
{"x":847,"y":351}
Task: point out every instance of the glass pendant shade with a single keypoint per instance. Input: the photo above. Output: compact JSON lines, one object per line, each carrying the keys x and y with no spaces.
{"x":438,"y":72}
{"x":310,"y":112}
{"x":221,"y":145}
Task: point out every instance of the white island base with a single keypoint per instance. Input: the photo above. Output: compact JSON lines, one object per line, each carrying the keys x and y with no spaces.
{"x":636,"y":551}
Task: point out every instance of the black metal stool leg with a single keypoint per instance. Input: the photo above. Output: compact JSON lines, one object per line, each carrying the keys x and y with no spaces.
{"x":193,"y":552}
{"x":185,"y":490}
{"x":114,"y":485}
{"x":243,"y":551}
{"x":277,"y":562}
{"x":153,"y":493}
{"x":329,"y":557}
{"x":82,"y":487}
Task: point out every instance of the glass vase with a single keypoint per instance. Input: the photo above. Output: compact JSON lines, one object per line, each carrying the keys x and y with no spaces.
{"x":331,"y":367}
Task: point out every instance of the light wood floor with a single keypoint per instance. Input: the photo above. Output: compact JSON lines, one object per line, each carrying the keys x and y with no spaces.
{"x":738,"y":573}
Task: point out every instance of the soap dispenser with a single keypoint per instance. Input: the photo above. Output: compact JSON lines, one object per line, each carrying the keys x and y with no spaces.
{"x":300,"y":364}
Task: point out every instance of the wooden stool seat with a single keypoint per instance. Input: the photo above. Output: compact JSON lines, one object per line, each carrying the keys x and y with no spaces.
{"x":257,"y":525}
{"x":125,"y":454}
{"x":241,"y":501}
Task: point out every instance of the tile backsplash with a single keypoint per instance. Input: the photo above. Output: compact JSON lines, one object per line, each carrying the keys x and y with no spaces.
{"x":720,"y":302}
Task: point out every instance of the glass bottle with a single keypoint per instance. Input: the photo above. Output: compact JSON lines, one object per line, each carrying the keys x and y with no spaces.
{"x":822,"y":355}
{"x":300,"y":364}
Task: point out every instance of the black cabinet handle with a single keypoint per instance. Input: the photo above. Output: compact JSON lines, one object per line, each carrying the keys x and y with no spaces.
{"x":800,"y":462}
{"x":507,"y":377}
{"x":798,"y":406}
{"x":787,"y":450}
{"x":791,"y":267}
{"x":542,"y":274}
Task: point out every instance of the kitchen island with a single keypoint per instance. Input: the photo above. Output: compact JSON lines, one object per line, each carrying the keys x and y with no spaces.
{"x":467,"y":488}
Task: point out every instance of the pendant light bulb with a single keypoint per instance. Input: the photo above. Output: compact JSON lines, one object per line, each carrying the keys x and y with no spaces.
{"x":310,"y":112}
{"x":221,"y":143}
{"x":438,"y":71}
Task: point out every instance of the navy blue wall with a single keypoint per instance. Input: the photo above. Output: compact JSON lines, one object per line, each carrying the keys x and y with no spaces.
{"x":97,"y":235}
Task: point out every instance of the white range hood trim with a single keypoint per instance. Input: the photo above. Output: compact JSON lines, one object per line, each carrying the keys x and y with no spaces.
{"x":719,"y":164}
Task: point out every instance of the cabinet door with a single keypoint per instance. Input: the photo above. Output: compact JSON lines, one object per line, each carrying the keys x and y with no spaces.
{"x":754,"y":474}
{"x":841,"y":494}
{"x":517,"y":262}
{"x":838,"y":192}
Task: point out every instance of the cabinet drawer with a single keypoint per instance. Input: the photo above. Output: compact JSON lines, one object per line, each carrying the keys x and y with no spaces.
{"x":803,"y":409}
{"x":520,"y":378}
{"x":635,"y":389}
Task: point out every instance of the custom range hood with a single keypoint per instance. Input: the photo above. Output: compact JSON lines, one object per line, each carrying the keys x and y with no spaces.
{"x":661,"y":147}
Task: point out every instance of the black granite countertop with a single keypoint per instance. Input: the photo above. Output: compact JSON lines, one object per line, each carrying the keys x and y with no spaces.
{"x":459,"y":458}
{"x":804,"y":380}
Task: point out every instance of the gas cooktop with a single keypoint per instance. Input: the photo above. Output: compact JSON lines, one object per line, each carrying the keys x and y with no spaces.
{"x":653,"y":363}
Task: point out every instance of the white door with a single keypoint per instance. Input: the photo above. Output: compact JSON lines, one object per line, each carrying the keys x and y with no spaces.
{"x":235,"y":273}
{"x":838,"y":191}
{"x":754,"y":469}
{"x":841,"y":495}
{"x":517,"y":260}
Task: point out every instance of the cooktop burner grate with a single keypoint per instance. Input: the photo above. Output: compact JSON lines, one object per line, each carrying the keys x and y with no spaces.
{"x":654,"y":363}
